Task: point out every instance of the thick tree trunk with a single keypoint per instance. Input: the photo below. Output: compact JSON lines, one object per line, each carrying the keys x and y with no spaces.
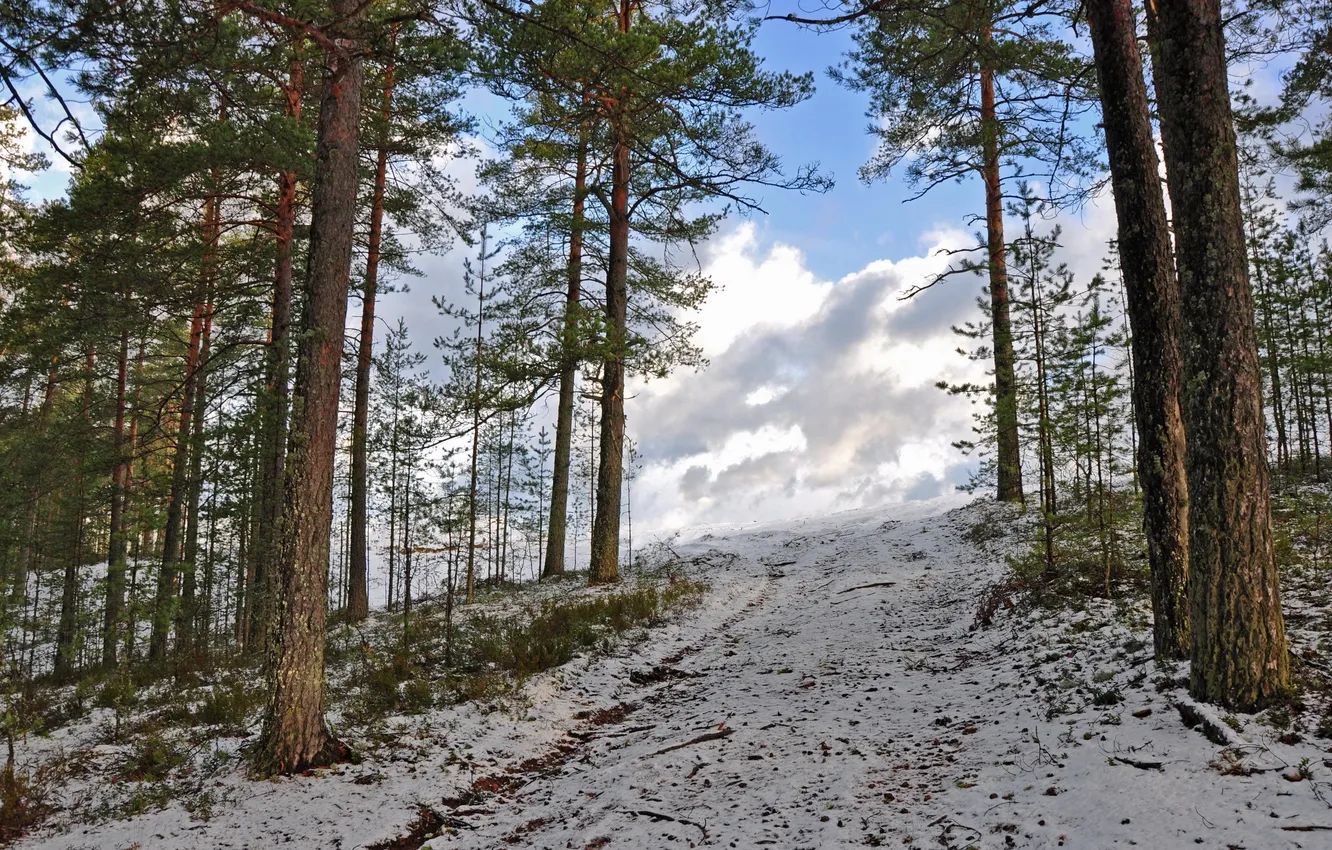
{"x":559,"y":484}
{"x":1239,"y":644}
{"x":295,"y":736}
{"x":358,"y":590}
{"x":263,"y":579}
{"x":1009,"y":460}
{"x":1147,"y":265}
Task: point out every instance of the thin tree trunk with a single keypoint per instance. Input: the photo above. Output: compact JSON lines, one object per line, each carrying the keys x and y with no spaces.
{"x":476,"y":430}
{"x":1147,"y":267}
{"x":1274,"y":369}
{"x":164,"y":602}
{"x":295,"y":736}
{"x":604,"y":563}
{"x":187,"y":612}
{"x":113,"y":610}
{"x":358,"y":599}
{"x":1239,"y":649}
{"x":559,"y":482}
{"x":1005,"y":381}
{"x":65,"y":662}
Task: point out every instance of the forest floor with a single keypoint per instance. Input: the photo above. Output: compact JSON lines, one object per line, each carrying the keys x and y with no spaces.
{"x":830,"y":691}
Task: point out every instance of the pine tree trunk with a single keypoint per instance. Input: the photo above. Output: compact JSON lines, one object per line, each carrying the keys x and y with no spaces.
{"x":1239,"y":645}
{"x":476,"y":435}
{"x":1153,"y":303}
{"x":117,"y":548}
{"x":27,"y":558}
{"x":358,"y":591}
{"x":1274,"y":370}
{"x":187,"y":613}
{"x":1005,"y":380}
{"x":559,"y":481}
{"x":65,"y":661}
{"x":604,"y":564}
{"x":263,"y":579}
{"x":164,"y":601}
{"x":295,"y":736}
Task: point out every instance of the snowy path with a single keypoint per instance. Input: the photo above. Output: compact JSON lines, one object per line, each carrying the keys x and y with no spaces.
{"x":826,"y":684}
{"x":847,"y":703}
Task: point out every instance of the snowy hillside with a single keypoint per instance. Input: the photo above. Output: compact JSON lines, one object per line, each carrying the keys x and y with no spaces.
{"x":830,"y":692}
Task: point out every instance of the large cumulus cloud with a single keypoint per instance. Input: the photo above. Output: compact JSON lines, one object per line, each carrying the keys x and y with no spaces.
{"x":820,"y":394}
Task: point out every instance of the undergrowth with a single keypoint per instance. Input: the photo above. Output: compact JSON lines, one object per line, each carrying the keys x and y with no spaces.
{"x":161,"y":741}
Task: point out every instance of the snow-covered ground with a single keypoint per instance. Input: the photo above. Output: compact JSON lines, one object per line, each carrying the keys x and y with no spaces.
{"x":830,"y":692}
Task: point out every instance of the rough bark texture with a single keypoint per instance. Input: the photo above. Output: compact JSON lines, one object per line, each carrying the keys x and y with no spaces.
{"x":295,"y":736}
{"x":1147,"y":263}
{"x":1239,"y":645}
{"x":559,"y":486}
{"x":1008,"y":458}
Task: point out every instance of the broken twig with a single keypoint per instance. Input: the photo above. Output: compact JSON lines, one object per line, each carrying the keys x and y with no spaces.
{"x":701,"y":739}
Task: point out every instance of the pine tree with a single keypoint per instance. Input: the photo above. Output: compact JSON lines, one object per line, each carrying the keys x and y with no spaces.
{"x":1239,"y":649}
{"x":1146,"y":262}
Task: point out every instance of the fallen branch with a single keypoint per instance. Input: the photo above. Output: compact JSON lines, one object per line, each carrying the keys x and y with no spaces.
{"x":1140,"y":765}
{"x":701,"y":739}
{"x":658,"y":817}
{"x":867,"y":586}
{"x":1195,"y":718}
{"x":1309,"y":828}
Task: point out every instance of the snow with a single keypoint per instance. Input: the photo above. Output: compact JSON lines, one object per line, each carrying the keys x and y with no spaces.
{"x":830,"y":692}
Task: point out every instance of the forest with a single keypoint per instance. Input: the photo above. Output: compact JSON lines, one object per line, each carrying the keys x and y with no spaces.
{"x":260,"y":529}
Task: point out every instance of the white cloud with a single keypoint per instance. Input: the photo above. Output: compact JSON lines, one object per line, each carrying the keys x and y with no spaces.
{"x":819,"y":395}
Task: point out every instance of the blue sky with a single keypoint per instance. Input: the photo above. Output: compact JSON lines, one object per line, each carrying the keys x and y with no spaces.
{"x":855,"y":223}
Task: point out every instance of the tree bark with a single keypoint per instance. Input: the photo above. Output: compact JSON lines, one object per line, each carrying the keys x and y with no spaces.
{"x":295,"y":736}
{"x":358,"y":590}
{"x":559,"y":484}
{"x":1153,"y":303}
{"x":604,"y":563}
{"x":1008,"y":452}
{"x":1239,"y":648}
{"x":187,"y":613}
{"x":263,"y":579}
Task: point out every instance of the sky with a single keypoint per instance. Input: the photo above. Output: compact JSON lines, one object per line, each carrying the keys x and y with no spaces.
{"x":820,"y":391}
